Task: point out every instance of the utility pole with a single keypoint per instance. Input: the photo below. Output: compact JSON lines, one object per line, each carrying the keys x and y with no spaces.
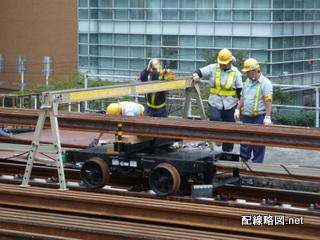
{"x":22,"y":68}
{"x":47,"y":68}
{"x":22,"y":75}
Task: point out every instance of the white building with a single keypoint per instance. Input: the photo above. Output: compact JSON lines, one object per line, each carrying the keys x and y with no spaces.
{"x":120,"y":36}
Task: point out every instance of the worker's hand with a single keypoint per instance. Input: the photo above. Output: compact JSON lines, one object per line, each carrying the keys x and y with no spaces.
{"x":196,"y":78}
{"x":94,"y":143}
{"x":237,"y":114}
{"x":267,"y":120}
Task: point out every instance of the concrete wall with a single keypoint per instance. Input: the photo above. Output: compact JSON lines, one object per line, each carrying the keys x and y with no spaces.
{"x":37,"y":28}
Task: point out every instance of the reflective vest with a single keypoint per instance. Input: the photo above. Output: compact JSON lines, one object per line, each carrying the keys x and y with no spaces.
{"x":151,"y":102}
{"x":225,"y":91}
{"x":256,"y":99}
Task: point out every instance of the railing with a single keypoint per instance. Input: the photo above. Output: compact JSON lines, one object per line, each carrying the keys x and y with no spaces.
{"x":33,"y":101}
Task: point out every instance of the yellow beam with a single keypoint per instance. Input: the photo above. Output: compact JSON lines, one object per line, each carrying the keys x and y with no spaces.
{"x":117,"y":90}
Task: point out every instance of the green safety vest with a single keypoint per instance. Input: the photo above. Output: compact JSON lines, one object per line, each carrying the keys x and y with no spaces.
{"x":225,"y":91}
{"x":256,"y":99}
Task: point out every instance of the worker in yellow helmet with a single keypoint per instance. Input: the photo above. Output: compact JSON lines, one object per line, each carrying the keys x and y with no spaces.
{"x":256,"y":101}
{"x":120,"y":108}
{"x":225,"y":86}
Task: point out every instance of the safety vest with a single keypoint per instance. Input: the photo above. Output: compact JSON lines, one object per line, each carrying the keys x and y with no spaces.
{"x":225,"y":91}
{"x":256,"y":99}
{"x":141,"y":109}
{"x":150,"y":102}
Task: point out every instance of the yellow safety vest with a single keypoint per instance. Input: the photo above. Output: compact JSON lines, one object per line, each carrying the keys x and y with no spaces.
{"x":256,"y":99}
{"x":225,"y":91}
{"x":151,"y":103}
{"x":141,"y":109}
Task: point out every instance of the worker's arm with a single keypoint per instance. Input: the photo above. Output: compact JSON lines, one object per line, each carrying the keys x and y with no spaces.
{"x":196,"y":76}
{"x":238,"y":109}
{"x":144,"y":75}
{"x":268,"y":107}
{"x":240,"y":104}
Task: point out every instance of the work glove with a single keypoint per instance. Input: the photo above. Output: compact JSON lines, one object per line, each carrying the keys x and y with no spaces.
{"x":93,"y":143}
{"x":196,"y":78}
{"x":267,"y":120}
{"x":237,"y":114}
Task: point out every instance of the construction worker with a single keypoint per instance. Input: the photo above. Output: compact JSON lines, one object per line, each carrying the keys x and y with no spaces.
{"x":156,"y":101}
{"x":120,"y":108}
{"x":256,"y":101}
{"x":225,"y":87}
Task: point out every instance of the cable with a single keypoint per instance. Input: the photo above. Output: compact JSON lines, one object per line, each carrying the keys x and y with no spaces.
{"x":300,"y":178}
{"x":260,"y":175}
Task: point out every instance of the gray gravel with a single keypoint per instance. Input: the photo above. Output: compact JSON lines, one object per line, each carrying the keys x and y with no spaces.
{"x":287,"y":156}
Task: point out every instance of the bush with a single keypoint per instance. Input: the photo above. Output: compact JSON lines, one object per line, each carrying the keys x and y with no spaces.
{"x":302,"y":119}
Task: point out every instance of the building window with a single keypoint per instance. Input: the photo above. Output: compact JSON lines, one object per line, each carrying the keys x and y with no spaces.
{"x":261,"y":15}
{"x":137,"y":40}
{"x":204,"y":41}
{"x":121,"y":3}
{"x":206,"y":15}
{"x":187,"y":4}
{"x":223,"y":4}
{"x":1,"y":63}
{"x":241,"y":42}
{"x":136,"y":14}
{"x":241,"y":15}
{"x":261,"y":4}
{"x":105,"y":14}
{"x":137,"y":3}
{"x":223,"y":15}
{"x":170,"y":3}
{"x":170,"y":15}
{"x":204,"y":4}
{"x":83,"y":14}
{"x":83,"y":3}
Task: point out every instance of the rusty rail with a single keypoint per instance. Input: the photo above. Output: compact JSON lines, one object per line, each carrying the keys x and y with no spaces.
{"x":160,"y":211}
{"x":35,"y":224}
{"x":276,"y":136}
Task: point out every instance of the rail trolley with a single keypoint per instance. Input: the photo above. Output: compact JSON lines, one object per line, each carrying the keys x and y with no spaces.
{"x":154,"y":159}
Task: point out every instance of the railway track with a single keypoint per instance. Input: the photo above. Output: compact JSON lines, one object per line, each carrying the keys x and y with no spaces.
{"x":239,"y":215}
{"x":83,"y":227}
{"x":45,"y":176}
{"x":157,"y":211}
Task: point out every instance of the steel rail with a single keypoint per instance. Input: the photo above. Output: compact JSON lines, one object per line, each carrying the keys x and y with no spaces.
{"x":276,"y":136}
{"x":159,"y":211}
{"x":82,"y":227}
{"x":255,"y":194}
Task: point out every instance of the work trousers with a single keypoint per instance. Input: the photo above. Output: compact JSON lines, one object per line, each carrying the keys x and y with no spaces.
{"x":258,"y":152}
{"x":223,"y":116}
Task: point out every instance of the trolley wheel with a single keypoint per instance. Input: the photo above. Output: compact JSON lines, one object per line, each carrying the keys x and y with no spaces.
{"x":164,"y":179}
{"x":95,"y":173}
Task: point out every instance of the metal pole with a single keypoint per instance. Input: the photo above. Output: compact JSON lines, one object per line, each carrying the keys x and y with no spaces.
{"x":317,"y":107}
{"x":22,"y":76}
{"x":86,"y":86}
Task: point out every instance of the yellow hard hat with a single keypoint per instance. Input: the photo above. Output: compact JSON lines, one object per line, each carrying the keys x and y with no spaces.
{"x":114,"y":108}
{"x":250,"y":64}
{"x":224,"y":56}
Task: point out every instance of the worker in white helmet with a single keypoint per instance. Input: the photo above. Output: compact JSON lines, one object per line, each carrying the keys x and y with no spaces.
{"x":120,"y":108}
{"x":256,"y":101}
{"x":225,"y":86}
{"x":156,"y":101}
